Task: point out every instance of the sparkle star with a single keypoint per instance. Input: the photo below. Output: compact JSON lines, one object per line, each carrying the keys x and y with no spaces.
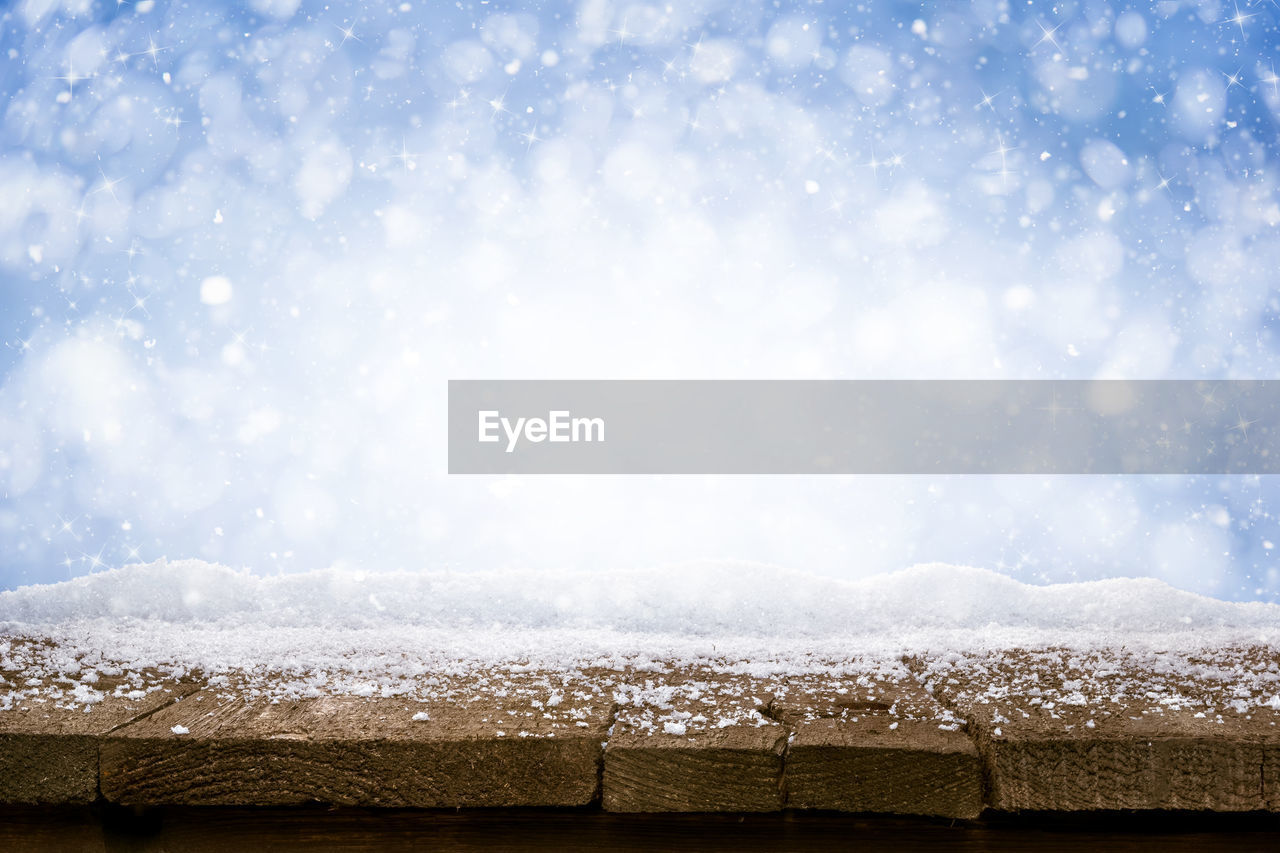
{"x":94,"y":560}
{"x":622,"y":34}
{"x":1003,"y":151}
{"x":348,"y":34}
{"x":153,"y":50}
{"x":139,"y":304}
{"x":67,"y":526}
{"x":108,"y":185}
{"x":1274,"y":81}
{"x":1054,"y":409}
{"x":405,"y":158}
{"x":71,"y":78}
{"x":1208,"y":398}
{"x":463,"y":97}
{"x":1243,"y":425}
{"x":874,"y":163}
{"x":1238,"y":19}
{"x":1047,"y":35}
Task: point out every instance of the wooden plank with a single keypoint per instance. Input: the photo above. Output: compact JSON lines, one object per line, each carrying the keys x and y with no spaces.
{"x":54,"y":705}
{"x":1271,"y":773}
{"x":1054,"y":729}
{"x":876,"y":741}
{"x":490,"y":738}
{"x":693,"y":740}
{"x":1062,"y":730}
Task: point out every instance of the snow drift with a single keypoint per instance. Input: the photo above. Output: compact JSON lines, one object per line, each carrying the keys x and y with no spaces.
{"x":699,"y":599}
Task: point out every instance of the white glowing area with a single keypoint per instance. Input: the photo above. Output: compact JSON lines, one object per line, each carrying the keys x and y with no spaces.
{"x":249,"y":248}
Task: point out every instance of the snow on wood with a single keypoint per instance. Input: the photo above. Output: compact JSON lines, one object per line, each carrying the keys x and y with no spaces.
{"x":876,"y":742}
{"x":694,"y":740}
{"x":725,"y":687}
{"x":53,"y":711}
{"x":499,"y":739}
{"x":1064,"y":730}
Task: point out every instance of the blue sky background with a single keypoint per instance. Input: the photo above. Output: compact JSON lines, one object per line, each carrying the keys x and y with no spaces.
{"x":242,"y":247}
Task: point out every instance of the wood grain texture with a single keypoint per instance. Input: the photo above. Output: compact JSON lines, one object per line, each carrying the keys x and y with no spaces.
{"x":736,"y":769}
{"x":54,"y":709}
{"x":692,"y":740}
{"x":1271,"y":772}
{"x":876,"y":742}
{"x":478,"y":747}
{"x":1014,"y":730}
{"x":1066,"y":731}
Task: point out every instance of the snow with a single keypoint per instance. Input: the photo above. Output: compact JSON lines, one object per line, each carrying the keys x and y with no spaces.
{"x":706,"y":599}
{"x":380,"y":633}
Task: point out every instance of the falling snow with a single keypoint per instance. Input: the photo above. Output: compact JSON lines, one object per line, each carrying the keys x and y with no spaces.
{"x":242,"y":250}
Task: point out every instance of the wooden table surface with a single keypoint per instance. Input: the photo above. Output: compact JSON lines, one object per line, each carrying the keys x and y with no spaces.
{"x":954,"y":736}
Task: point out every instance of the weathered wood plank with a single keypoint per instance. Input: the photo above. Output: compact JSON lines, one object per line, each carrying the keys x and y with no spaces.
{"x":1046,"y":729}
{"x":876,"y":742}
{"x":1271,"y":772}
{"x":693,"y":740}
{"x":53,"y":708}
{"x":1061,"y":730}
{"x":488,"y":739}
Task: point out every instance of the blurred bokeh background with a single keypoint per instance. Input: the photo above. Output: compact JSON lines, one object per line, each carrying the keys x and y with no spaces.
{"x":243,"y":246}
